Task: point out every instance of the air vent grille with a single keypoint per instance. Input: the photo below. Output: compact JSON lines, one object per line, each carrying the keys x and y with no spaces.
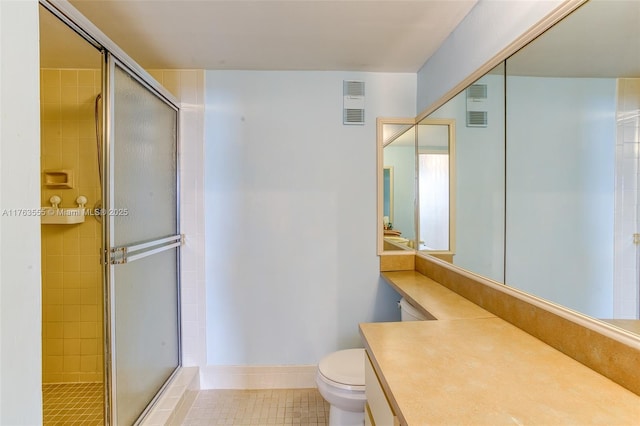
{"x":353,"y":116}
{"x":353,"y":102}
{"x":353,"y":88}
{"x":477,"y":106}
{"x":477,"y":91}
{"x":477,"y":118}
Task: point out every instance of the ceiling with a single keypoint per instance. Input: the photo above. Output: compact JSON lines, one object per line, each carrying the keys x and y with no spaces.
{"x":346,"y":35}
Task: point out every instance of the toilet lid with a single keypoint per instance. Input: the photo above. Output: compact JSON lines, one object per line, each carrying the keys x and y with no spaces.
{"x":346,"y":367}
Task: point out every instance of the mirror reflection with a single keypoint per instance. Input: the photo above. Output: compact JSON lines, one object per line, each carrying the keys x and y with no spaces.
{"x":387,"y":203}
{"x":573,"y":99}
{"x":436,"y":190}
{"x":552,"y":205}
{"x":399,"y":183}
{"x":477,"y":227}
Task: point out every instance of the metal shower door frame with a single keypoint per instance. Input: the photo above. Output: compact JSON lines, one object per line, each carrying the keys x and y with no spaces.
{"x":114,"y":256}
{"x":112,"y":54}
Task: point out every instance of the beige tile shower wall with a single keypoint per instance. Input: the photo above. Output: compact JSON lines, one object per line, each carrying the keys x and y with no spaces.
{"x":71,"y":273}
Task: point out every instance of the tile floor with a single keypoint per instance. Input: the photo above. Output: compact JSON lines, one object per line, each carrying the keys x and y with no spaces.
{"x":72,"y":404}
{"x":82,"y":404}
{"x":303,"y":407}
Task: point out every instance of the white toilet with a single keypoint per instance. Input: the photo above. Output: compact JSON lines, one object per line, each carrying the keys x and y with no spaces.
{"x":340,"y":378}
{"x":340,"y":381}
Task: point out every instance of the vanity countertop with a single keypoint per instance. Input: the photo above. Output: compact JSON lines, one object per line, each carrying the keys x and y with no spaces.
{"x":482,"y":370}
{"x":433,"y":299}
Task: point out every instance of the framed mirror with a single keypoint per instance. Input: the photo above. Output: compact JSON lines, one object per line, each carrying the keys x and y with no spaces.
{"x":417,"y":186}
{"x":396,"y":185}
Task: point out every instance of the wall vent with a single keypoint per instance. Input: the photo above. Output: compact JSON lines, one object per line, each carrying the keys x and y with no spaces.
{"x":353,"y":102}
{"x":476,"y":118}
{"x":477,"y":115}
{"x":477,"y":91}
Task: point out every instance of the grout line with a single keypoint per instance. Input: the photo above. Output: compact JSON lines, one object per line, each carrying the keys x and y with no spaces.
{"x":72,"y":403}
{"x":258,"y":407}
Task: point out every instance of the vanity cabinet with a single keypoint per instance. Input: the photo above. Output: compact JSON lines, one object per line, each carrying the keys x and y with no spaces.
{"x":378,"y":411}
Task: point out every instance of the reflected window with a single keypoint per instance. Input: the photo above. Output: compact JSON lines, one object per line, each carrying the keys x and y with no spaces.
{"x":433,"y":184}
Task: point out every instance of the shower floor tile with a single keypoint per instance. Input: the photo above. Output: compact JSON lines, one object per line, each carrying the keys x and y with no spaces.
{"x":303,"y":407}
{"x":73,"y":404}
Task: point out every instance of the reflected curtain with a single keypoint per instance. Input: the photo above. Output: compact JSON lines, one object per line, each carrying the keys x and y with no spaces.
{"x":433,"y":184}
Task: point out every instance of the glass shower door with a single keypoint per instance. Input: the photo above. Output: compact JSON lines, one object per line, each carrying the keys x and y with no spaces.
{"x":143,"y":243}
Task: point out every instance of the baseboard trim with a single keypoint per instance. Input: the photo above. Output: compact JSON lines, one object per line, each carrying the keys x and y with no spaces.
{"x":258,"y":377}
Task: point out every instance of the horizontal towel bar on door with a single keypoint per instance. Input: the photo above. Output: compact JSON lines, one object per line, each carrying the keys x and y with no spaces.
{"x":125,"y":254}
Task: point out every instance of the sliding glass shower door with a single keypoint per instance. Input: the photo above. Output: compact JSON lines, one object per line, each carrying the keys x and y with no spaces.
{"x":142,"y":242}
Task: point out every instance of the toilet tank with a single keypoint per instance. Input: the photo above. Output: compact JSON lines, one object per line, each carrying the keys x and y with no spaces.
{"x":409,"y":313}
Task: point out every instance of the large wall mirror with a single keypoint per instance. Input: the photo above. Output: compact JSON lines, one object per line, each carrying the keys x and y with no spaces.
{"x":573,"y":133}
{"x":547,"y":166}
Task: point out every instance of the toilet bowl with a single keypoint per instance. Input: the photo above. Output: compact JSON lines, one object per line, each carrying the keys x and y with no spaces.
{"x":340,"y":380}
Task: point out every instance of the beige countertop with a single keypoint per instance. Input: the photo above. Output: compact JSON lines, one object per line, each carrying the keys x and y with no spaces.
{"x":431,"y":298}
{"x":481,"y":370}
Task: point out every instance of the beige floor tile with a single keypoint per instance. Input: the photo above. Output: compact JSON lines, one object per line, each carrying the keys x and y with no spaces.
{"x":304,"y":407}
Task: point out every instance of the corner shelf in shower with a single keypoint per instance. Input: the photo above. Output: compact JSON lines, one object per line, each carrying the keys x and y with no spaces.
{"x":53,"y":216}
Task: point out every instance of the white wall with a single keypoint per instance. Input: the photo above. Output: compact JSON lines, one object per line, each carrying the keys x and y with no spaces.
{"x":490,"y":27}
{"x":290,"y":202}
{"x":560,"y":190}
{"x":20,"y":311}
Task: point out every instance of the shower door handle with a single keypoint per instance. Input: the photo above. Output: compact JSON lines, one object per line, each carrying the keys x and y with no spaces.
{"x":126,"y":254}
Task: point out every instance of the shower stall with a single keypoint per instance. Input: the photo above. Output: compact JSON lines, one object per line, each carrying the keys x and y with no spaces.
{"x":110,"y":275}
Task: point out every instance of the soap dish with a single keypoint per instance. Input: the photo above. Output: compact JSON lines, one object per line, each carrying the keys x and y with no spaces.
{"x":53,"y":216}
